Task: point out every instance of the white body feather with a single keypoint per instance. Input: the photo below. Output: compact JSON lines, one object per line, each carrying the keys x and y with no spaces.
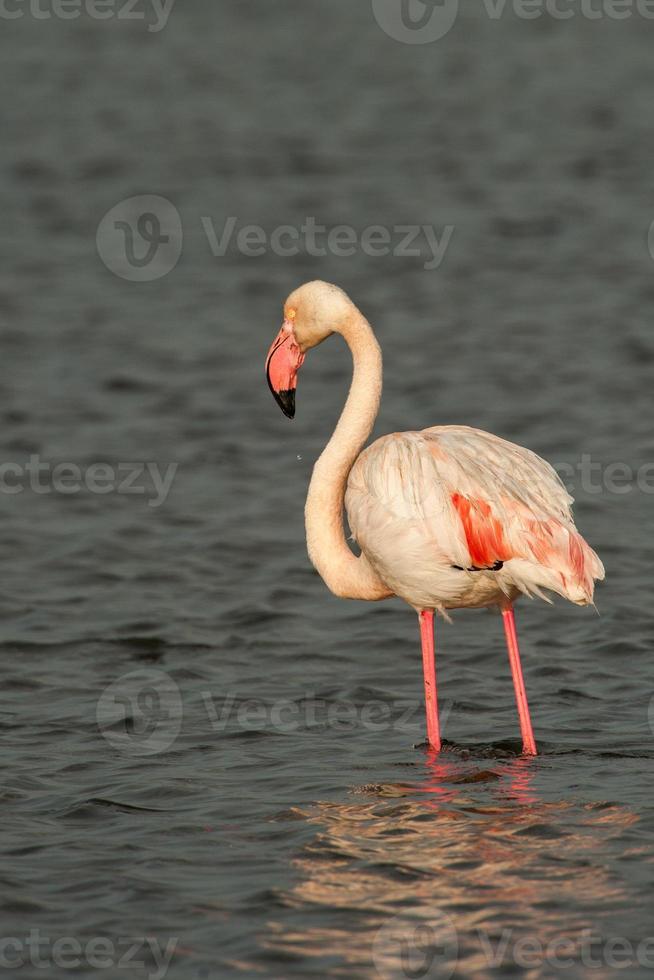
{"x":421,"y":503}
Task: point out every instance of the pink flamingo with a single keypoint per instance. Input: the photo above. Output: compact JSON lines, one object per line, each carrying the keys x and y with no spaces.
{"x":446,"y":518}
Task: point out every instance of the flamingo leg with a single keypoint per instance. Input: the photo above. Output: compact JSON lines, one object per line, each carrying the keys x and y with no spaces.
{"x":429,"y":672}
{"x":528,"y":741}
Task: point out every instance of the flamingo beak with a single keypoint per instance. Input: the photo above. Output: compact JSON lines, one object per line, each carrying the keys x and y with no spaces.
{"x":282,"y":364}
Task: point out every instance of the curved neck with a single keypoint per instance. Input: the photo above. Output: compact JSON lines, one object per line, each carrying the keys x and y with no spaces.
{"x":345,"y":574}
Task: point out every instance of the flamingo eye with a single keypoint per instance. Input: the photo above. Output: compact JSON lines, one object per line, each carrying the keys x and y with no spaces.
{"x":290,"y":314}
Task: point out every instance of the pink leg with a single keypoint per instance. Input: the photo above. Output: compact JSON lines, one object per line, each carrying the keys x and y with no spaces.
{"x":429,"y":671}
{"x":528,"y":741}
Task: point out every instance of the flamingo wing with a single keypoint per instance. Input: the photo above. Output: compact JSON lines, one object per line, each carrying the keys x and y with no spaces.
{"x":464,"y":499}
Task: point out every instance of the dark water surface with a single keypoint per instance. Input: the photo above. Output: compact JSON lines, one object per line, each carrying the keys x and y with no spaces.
{"x":266,"y":810}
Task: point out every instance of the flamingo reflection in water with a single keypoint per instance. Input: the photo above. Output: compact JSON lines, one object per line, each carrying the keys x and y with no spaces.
{"x":449,"y":866}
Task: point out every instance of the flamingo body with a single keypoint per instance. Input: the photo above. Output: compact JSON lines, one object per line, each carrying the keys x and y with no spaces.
{"x":453,"y":517}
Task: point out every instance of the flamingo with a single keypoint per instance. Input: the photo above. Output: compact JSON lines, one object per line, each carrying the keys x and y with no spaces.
{"x":446,"y":518}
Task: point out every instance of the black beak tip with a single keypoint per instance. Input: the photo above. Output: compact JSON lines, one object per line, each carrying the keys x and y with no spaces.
{"x":286,"y":401}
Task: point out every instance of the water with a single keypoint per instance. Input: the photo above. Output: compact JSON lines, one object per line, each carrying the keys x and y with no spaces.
{"x":267,"y":812}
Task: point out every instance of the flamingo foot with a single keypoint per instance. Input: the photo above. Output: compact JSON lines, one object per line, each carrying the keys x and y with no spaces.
{"x":429,"y":671}
{"x":528,"y":741}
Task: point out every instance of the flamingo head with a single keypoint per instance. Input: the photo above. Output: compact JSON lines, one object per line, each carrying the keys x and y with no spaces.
{"x":311,"y":314}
